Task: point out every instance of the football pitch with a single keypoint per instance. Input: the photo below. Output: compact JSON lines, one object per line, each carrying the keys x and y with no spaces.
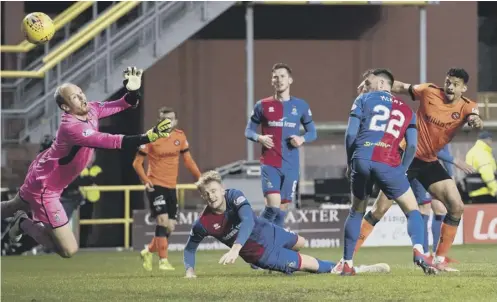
{"x":118,"y":276}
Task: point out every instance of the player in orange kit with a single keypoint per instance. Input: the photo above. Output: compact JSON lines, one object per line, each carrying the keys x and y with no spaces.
{"x":441,"y":113}
{"x":160,"y":183}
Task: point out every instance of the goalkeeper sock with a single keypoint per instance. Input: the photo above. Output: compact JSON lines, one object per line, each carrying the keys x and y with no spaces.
{"x":279,"y":220}
{"x":325,"y":266}
{"x":436,"y":225}
{"x":352,"y":231}
{"x":270,"y":213}
{"x":426,"y":247}
{"x":415,"y":227}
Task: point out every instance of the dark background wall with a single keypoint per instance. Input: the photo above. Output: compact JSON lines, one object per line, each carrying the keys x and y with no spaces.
{"x":205,"y":78}
{"x":328,"y":48}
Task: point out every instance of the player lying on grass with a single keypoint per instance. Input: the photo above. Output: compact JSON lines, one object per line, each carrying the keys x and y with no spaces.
{"x":55,"y":168}
{"x":377,"y":125}
{"x":442,"y":112}
{"x":229,"y":218}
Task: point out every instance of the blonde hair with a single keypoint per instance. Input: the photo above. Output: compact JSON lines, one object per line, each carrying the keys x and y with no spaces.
{"x":208,"y":177}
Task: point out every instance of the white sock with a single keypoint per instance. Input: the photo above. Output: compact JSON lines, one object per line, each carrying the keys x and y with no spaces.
{"x":419,"y":248}
{"x":439,"y":259}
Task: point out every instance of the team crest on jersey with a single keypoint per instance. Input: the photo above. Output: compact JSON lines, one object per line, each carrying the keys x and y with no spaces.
{"x":294,"y":111}
{"x":456,"y":115}
{"x":292,"y":264}
{"x":271,"y":109}
{"x":57,"y":216}
{"x":216,"y":226}
{"x":176,"y":142}
{"x":88,"y":132}
{"x":239,"y":200}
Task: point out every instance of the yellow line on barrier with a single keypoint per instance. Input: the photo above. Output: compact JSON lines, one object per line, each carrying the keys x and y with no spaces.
{"x":83,"y":32}
{"x":127,"y":207}
{"x":90,"y":35}
{"x":59,"y":21}
{"x":125,"y":8}
{"x":127,"y":220}
{"x":105,"y":221}
{"x":21,"y":74}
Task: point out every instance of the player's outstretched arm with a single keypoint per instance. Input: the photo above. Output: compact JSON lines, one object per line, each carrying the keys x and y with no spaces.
{"x":247,"y":224}
{"x":448,"y":160}
{"x":197,"y":234}
{"x":81,"y":135}
{"x":132,"y":83}
{"x":400,"y":87}
{"x":411,"y":137}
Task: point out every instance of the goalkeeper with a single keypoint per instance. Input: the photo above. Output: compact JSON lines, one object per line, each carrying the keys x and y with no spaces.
{"x":55,"y":168}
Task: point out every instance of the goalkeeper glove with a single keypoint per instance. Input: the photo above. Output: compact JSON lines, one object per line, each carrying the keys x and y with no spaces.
{"x":132,"y":78}
{"x":162,"y":129}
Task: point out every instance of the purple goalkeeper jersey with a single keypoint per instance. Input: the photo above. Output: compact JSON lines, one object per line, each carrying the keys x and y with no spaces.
{"x":72,"y":150}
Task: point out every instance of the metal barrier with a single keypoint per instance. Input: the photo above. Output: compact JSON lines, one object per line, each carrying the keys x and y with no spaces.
{"x":487,"y":100}
{"x":59,"y":21}
{"x":127,"y":220}
{"x":74,"y":43}
{"x":90,"y":66}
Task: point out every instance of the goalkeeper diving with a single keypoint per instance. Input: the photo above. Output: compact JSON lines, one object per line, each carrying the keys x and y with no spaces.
{"x":58,"y":166}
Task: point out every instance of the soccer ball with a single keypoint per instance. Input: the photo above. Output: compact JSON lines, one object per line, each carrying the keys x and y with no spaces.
{"x":38,"y":28}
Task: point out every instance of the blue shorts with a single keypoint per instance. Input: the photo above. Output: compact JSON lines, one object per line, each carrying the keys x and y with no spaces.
{"x":391,"y":180}
{"x":278,"y":180}
{"x":278,"y":254}
{"x":422,"y":196}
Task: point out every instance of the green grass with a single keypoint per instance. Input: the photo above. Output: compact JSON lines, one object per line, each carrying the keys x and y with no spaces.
{"x":114,"y":276}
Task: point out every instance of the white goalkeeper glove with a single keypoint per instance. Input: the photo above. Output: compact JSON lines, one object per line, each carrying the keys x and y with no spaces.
{"x":132,"y":78}
{"x":162,"y":129}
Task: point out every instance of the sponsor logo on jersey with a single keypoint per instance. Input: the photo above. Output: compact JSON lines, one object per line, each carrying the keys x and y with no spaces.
{"x":377,"y":144}
{"x":437,"y":122}
{"x":239,"y":200}
{"x":88,"y":132}
{"x":282,"y":124}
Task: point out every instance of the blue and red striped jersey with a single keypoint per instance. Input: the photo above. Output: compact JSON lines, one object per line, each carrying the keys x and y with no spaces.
{"x":226,"y":227}
{"x":282,"y":119}
{"x":384,"y":120}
